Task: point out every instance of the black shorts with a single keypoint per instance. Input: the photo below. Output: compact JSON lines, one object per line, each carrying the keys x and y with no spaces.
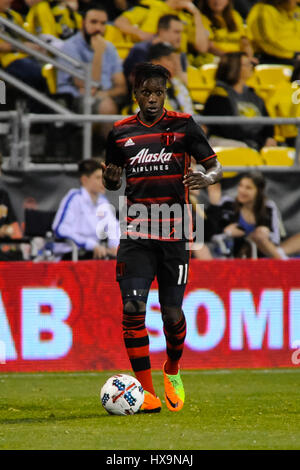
{"x":147,"y":259}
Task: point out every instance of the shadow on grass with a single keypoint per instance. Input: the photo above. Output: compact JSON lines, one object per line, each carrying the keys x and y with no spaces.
{"x":52,"y":419}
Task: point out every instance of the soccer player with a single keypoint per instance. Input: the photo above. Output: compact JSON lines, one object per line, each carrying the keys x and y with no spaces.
{"x":155,"y":148}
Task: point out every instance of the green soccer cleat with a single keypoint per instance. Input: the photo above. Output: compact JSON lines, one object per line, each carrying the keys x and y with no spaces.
{"x":174,"y":391}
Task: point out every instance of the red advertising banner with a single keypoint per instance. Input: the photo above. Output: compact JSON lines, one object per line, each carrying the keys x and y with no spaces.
{"x":67,"y":316}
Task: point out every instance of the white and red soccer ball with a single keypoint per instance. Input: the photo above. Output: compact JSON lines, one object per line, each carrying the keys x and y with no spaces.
{"x":122,"y":395}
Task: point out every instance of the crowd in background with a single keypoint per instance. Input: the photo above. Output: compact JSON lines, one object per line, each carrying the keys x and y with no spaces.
{"x":182,"y":35}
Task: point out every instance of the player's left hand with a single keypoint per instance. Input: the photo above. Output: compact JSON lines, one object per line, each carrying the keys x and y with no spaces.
{"x":196,"y":179}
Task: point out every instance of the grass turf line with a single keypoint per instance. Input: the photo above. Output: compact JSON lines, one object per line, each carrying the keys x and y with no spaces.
{"x":236,"y":409}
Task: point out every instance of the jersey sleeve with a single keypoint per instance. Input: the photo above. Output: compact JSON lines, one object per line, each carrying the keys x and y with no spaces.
{"x":113,"y":152}
{"x":197,"y":143}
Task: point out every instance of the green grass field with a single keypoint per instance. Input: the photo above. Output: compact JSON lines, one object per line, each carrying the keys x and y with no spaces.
{"x":237,"y":409}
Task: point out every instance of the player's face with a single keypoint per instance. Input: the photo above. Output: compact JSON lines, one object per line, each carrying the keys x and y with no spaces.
{"x":93,"y":183}
{"x":247,"y":191}
{"x":151,"y":97}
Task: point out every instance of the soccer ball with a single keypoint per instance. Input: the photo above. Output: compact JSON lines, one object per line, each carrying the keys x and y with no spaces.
{"x":122,"y":395}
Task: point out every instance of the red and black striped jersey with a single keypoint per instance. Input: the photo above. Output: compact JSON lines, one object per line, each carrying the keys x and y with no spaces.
{"x":156,"y":157}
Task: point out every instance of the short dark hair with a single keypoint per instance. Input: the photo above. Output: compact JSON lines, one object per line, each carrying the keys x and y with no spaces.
{"x":92,"y":6}
{"x":146,"y":70}
{"x":165,"y":21}
{"x":161,"y":49}
{"x":88,"y":167}
{"x":229,"y":67}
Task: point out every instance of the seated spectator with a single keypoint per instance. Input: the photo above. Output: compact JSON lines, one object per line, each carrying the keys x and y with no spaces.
{"x":169,"y":30}
{"x":140,"y":22}
{"x":178,"y":97}
{"x":9,"y":228}
{"x":232,"y":97}
{"x":227,"y":32}
{"x":250,"y":215}
{"x":53,"y":21}
{"x":89,"y":46}
{"x":15,"y":62}
{"x":84,"y":214}
{"x":274,"y":27}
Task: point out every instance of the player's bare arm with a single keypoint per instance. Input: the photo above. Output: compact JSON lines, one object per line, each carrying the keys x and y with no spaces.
{"x":197,"y":179}
{"x":112,"y":176}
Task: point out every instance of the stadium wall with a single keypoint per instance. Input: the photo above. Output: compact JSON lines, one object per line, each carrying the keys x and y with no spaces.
{"x":67,"y":316}
{"x":44,"y":191}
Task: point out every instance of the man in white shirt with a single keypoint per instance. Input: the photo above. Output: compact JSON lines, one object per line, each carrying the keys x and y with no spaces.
{"x":86,"y":217}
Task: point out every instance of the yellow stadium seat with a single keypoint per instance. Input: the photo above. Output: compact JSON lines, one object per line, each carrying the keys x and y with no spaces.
{"x":208,"y":72}
{"x":283,"y":103}
{"x":200,"y":82}
{"x":266,"y":78}
{"x":122,"y":43}
{"x":237,"y":156}
{"x":277,"y":156}
{"x":272,"y":74}
{"x":49,"y":73}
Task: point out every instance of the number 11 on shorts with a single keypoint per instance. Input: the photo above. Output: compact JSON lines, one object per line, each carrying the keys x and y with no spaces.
{"x":182,"y":275}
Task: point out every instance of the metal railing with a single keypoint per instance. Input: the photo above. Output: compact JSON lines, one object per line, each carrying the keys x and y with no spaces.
{"x":29,"y":119}
{"x":78,"y":69}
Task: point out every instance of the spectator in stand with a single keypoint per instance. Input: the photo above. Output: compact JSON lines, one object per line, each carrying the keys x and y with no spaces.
{"x":53,"y":21}
{"x":85,"y":214}
{"x":9,"y":228}
{"x":141,"y":22}
{"x":227,"y":32}
{"x":274,"y":27}
{"x":169,"y":30}
{"x":250,"y":215}
{"x":15,"y":62}
{"x":178,"y":97}
{"x":232,"y":97}
{"x":89,"y":45}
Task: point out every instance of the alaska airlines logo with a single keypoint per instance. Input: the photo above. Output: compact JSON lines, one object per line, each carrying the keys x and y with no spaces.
{"x":144,"y":157}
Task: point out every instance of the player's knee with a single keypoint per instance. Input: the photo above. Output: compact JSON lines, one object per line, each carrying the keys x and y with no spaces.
{"x":134,"y":307}
{"x":171,"y":315}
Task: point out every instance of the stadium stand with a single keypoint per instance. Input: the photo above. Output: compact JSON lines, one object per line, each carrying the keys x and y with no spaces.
{"x":226,"y":28}
{"x":278,"y":156}
{"x":122,"y":42}
{"x":238,"y":157}
{"x":274,"y":29}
